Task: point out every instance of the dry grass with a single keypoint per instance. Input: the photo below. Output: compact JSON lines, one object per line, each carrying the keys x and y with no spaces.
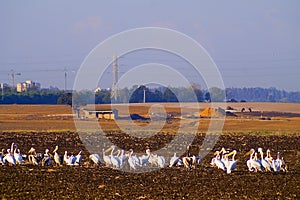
{"x":35,"y":109}
{"x":40,"y":118}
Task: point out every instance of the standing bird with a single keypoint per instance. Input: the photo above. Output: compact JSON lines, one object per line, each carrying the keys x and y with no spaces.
{"x":253,"y":164}
{"x":217,"y":162}
{"x":122,"y":158}
{"x":213,"y":160}
{"x":57,"y":158}
{"x":191,"y":161}
{"x":114,"y":159}
{"x":9,"y":157}
{"x":131,"y":161}
{"x":266,"y":165}
{"x":187,"y":161}
{"x":33,"y":157}
{"x":230,"y":164}
{"x":106,"y":158}
{"x":144,"y":159}
{"x":78,"y":158}
{"x":2,"y":155}
{"x":279,"y":164}
{"x":46,"y":161}
{"x":269,"y":157}
{"x":174,"y":160}
{"x":18,"y":156}
{"x":69,"y":160}
{"x":161,"y":161}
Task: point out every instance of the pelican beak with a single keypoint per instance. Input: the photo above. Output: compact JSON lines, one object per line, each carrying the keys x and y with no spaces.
{"x":216,"y":153}
{"x":108,"y":150}
{"x":249,"y":152}
{"x":230,"y":153}
{"x":31,"y":150}
{"x":56,"y":148}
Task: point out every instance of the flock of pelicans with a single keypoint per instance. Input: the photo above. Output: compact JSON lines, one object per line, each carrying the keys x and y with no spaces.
{"x":223,"y":159}
{"x":254,"y":164}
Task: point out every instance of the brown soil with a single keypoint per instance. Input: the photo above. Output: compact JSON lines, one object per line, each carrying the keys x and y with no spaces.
{"x":88,"y":182}
{"x":46,"y":126}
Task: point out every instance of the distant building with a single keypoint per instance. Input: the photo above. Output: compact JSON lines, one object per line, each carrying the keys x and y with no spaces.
{"x":100,"y":114}
{"x":3,"y":85}
{"x":28,"y":86}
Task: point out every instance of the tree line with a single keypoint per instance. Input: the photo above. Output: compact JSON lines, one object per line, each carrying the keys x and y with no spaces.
{"x":139,"y":94}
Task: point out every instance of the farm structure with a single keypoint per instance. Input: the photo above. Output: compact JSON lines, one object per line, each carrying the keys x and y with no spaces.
{"x":101,"y":114}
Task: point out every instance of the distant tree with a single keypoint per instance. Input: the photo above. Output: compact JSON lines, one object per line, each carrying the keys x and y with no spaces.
{"x":137,"y":95}
{"x":169,"y":96}
{"x":66,"y":98}
{"x":198,"y":91}
{"x":217,"y":94}
{"x":207,"y":97}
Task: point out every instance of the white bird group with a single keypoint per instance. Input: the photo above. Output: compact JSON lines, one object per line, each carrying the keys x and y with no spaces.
{"x":223,"y":162}
{"x":266,"y":164}
{"x":134,"y":161}
{"x":13,"y":156}
{"x":117,"y":159}
{"x":189,"y":162}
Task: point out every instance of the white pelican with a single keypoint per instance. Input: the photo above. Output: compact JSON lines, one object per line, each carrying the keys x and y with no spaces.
{"x":135,"y":158}
{"x":32,"y":157}
{"x":114,"y":159}
{"x":153,"y":160}
{"x":217,"y":162}
{"x":46,"y":161}
{"x":131,"y":160}
{"x":69,"y":160}
{"x":230,"y":164}
{"x":122,"y":158}
{"x":191,"y":161}
{"x":57,"y":158}
{"x":253,"y":164}
{"x":144,"y":159}
{"x":78,"y":158}
{"x":2,"y":154}
{"x":18,"y":156}
{"x":217,"y":157}
{"x":161,"y":161}
{"x":269,"y":157}
{"x":266,"y":165}
{"x":9,"y":157}
{"x":174,"y":160}
{"x":279,"y":164}
{"x":106,"y":158}
{"x":223,"y":152}
{"x":95,"y":158}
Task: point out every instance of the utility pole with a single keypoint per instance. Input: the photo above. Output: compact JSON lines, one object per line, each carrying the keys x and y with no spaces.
{"x":115,"y":77}
{"x":13,"y":74}
{"x":144,"y":100}
{"x":65,"y":70}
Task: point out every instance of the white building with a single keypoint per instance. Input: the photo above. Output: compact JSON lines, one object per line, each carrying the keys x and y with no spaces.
{"x":3,"y":85}
{"x":27,"y":86}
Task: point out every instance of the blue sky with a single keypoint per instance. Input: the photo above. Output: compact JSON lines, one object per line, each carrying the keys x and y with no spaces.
{"x":254,"y":43}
